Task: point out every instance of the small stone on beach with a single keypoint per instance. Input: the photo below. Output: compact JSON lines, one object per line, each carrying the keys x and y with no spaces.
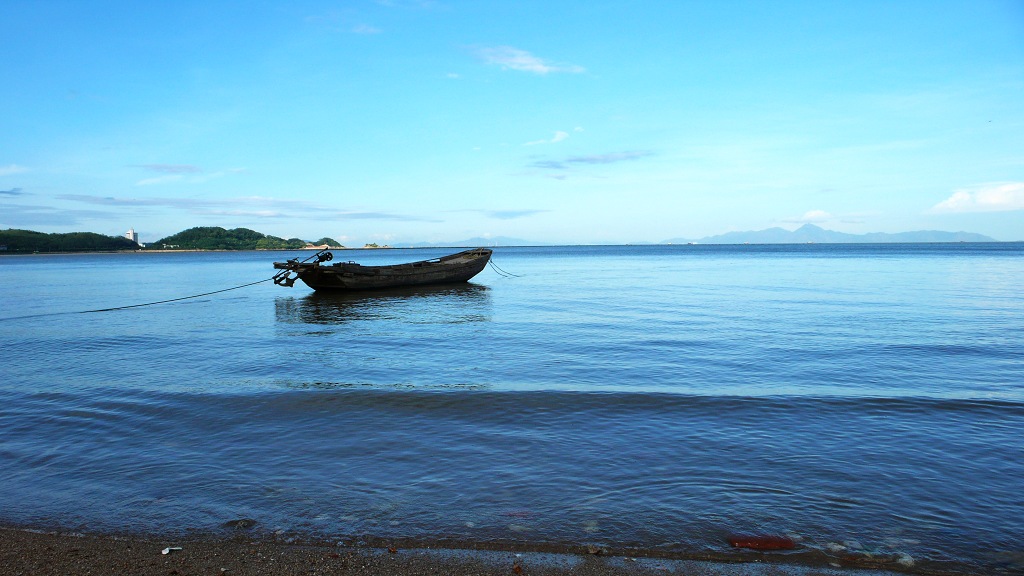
{"x":904,"y":559}
{"x":240,"y":524}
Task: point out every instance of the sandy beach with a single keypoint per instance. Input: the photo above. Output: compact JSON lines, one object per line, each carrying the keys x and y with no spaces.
{"x":42,"y":554}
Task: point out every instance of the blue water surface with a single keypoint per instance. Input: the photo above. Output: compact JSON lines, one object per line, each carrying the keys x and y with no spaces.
{"x":866,"y":400}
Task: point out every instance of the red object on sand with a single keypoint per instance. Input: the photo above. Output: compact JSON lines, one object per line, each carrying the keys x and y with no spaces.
{"x":762,"y":542}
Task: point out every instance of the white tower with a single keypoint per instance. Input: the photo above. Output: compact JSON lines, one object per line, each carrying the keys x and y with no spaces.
{"x":132,"y":235}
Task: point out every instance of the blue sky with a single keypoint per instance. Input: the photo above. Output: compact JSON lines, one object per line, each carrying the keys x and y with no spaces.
{"x":396,"y":121}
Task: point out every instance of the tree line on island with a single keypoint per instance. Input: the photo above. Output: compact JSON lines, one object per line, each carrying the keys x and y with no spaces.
{"x":199,"y":238}
{"x":216,"y":238}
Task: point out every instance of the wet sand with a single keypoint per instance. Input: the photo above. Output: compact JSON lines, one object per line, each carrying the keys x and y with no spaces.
{"x":43,"y":554}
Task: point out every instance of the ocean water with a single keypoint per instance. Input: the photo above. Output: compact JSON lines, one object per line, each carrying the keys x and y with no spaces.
{"x":866,"y":400}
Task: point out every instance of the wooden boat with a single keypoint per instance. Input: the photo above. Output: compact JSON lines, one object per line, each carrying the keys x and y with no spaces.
{"x":449,"y":269}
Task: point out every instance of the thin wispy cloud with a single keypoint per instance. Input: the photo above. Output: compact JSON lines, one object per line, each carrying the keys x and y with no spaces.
{"x":50,"y":216}
{"x":995,"y":197}
{"x":811,"y":217}
{"x":503,"y":214}
{"x":187,"y":173}
{"x":205,"y":177}
{"x":610,"y":158}
{"x":250,"y":206}
{"x":352,"y":215}
{"x":513,"y":214}
{"x":558,"y":137}
{"x":190,"y":203}
{"x":334,"y":214}
{"x":111,"y":201}
{"x":511,"y":58}
{"x":244,"y":213}
{"x":549,"y":164}
{"x":365,"y":29}
{"x":12,"y":192}
{"x":12,"y":169}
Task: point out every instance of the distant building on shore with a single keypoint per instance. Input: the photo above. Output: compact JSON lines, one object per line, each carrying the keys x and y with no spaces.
{"x":132,"y":235}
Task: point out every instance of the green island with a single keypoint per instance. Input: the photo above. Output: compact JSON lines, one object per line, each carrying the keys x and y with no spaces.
{"x":14,"y":241}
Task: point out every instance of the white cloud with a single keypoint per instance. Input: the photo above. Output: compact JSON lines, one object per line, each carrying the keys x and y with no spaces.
{"x":182,"y":172}
{"x":558,"y":137}
{"x":811,"y":217}
{"x":12,"y":169}
{"x":995,"y":197}
{"x":365,"y":29}
{"x":817,"y":216}
{"x":516,"y":59}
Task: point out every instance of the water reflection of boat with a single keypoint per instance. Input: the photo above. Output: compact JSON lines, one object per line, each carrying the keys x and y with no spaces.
{"x":451,"y":269}
{"x":452,"y":303}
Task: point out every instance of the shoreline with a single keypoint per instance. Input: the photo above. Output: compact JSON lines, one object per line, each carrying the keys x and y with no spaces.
{"x":43,"y":553}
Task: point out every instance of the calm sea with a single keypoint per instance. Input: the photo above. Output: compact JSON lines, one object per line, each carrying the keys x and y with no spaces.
{"x":867,"y":400}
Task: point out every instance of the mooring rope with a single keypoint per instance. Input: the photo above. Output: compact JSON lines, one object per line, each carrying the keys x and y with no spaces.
{"x":275,"y":277}
{"x":136,"y":305}
{"x":177,"y":299}
{"x":501,"y":272}
{"x":494,"y":266}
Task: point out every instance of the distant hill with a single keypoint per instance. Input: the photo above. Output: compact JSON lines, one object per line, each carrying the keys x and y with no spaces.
{"x":217,"y":238}
{"x":811,"y":233}
{"x":28,"y":241}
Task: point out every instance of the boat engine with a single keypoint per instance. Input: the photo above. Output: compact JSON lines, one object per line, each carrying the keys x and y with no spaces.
{"x":285,"y":278}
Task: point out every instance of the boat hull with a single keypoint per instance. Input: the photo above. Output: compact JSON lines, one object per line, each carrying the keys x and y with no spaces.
{"x":350,"y":276}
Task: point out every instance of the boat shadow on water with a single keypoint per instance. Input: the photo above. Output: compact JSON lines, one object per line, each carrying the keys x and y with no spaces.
{"x":444,"y":304}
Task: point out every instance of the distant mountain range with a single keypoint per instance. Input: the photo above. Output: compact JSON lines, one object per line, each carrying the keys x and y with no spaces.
{"x":215,"y":238}
{"x":803,"y":235}
{"x":811,"y":233}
